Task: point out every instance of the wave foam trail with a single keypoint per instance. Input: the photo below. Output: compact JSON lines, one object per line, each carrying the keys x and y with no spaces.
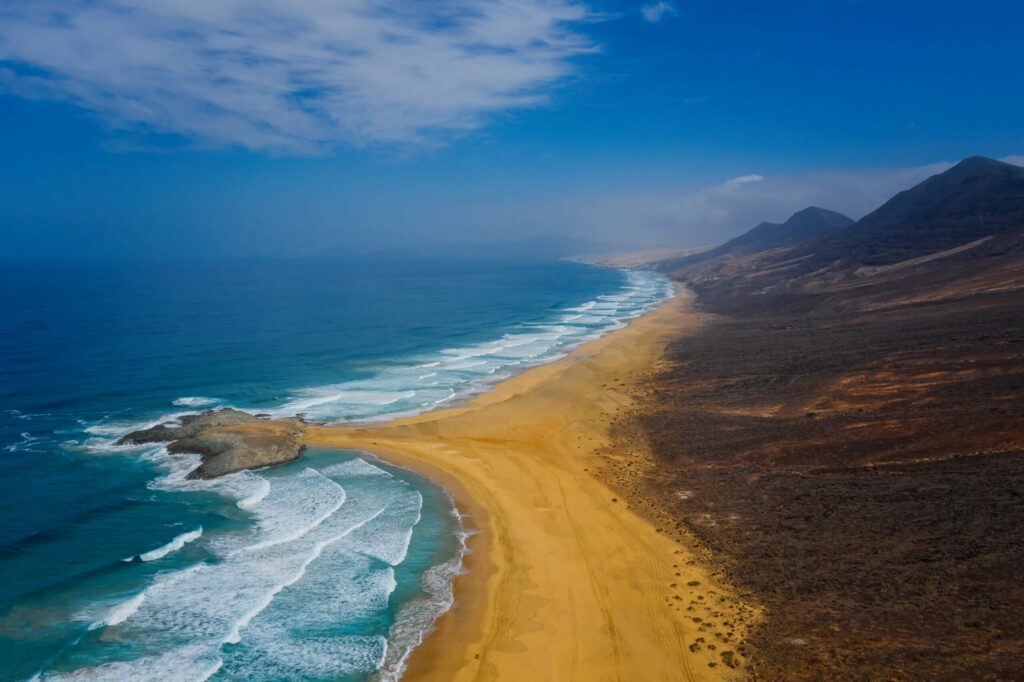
{"x":195,"y":401}
{"x":354,"y":467}
{"x":262,"y":489}
{"x":194,"y":666}
{"x":172,"y":546}
{"x":283,"y":656}
{"x":417,"y":617}
{"x":403,"y":387}
{"x":25,"y":444}
{"x":388,"y":538}
{"x":282,"y":642}
{"x":121,"y":612}
{"x":243,"y":486}
{"x":288,"y":512}
{"x":314,"y":557}
{"x":321,"y":550}
{"x":348,"y":580}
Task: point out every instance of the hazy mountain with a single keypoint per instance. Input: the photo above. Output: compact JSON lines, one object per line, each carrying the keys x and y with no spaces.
{"x":810,"y":223}
{"x":803,"y":225}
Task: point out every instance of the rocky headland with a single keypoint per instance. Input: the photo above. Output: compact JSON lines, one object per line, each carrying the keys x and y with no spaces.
{"x":228,"y":440}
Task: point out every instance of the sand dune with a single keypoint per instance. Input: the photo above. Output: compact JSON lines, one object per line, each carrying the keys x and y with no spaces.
{"x":565,"y":582}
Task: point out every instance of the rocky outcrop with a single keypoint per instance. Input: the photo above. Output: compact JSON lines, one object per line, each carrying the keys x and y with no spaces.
{"x":228,"y":440}
{"x":188,"y":426}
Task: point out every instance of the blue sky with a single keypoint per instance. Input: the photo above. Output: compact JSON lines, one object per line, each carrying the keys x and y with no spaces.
{"x":252,"y":127}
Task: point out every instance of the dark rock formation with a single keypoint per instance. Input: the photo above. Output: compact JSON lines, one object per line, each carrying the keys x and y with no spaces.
{"x":228,"y":440}
{"x":188,"y":426}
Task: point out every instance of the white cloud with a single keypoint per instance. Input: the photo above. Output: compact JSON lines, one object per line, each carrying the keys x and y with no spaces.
{"x":303,"y":75}
{"x":745,"y":179}
{"x":656,"y":11}
{"x":1015,"y":159}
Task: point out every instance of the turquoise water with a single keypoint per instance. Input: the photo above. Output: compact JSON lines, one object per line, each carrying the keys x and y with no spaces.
{"x":117,"y":567}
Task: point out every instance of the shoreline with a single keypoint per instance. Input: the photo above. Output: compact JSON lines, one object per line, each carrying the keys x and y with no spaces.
{"x":423,"y":662}
{"x":521,"y":463}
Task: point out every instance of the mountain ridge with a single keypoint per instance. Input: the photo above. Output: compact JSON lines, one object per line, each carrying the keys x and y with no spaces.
{"x":977,"y":197}
{"x":964,"y":225}
{"x":808,"y":223}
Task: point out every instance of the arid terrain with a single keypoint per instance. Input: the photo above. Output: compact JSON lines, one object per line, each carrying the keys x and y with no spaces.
{"x":847,"y":443}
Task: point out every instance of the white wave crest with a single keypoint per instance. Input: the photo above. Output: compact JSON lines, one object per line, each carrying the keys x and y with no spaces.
{"x":314,"y":553}
{"x":121,"y":612}
{"x":403,"y":387}
{"x":258,"y":495}
{"x":415,"y":620}
{"x":194,"y":665}
{"x":172,"y":546}
{"x":354,"y":467}
{"x":194,"y":401}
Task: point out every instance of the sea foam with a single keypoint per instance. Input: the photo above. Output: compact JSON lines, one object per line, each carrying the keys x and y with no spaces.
{"x":403,"y":387}
{"x":121,"y":612}
{"x":195,"y":401}
{"x":415,"y":621}
{"x":172,"y":546}
{"x":314,"y":557}
{"x":317,"y":556}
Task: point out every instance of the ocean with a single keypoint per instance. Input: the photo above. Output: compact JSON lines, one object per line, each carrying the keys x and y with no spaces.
{"x":334,"y":567}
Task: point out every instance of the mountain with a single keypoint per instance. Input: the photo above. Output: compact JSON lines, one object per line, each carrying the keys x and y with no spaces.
{"x":955,"y":234}
{"x":860,"y":396}
{"x":974,"y":199}
{"x":807,"y":224}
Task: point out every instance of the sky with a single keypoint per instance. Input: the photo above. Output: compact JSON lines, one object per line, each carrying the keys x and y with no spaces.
{"x":177,"y":128}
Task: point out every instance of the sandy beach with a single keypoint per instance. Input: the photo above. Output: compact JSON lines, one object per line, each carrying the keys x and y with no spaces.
{"x":564,"y":581}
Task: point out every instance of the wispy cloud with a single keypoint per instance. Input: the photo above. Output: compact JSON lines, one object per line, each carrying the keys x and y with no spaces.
{"x":656,"y":11}
{"x":299,"y":76}
{"x":745,"y":179}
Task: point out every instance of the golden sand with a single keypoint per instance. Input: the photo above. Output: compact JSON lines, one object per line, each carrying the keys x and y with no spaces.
{"x":564,"y":581}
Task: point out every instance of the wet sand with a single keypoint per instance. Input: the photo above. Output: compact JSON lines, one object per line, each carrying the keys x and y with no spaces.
{"x":564,"y":581}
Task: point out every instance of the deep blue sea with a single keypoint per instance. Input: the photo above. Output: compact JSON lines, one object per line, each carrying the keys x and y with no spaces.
{"x":113,"y":566}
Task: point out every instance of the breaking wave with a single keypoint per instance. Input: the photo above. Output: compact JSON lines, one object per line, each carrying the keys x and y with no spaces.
{"x":291,"y":595}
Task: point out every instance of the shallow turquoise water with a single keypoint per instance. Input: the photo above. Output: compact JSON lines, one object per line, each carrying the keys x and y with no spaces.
{"x":115,"y":567}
